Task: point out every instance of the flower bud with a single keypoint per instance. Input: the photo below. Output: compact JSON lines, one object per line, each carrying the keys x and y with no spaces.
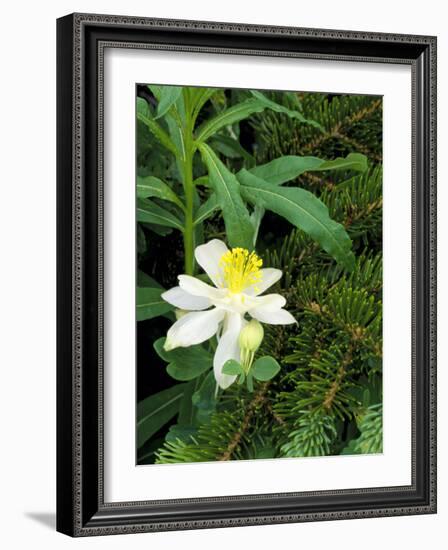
{"x":251,"y":336}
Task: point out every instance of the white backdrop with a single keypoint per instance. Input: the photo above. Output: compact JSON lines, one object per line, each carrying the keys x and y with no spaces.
{"x":123,"y":481}
{"x":27,"y":229}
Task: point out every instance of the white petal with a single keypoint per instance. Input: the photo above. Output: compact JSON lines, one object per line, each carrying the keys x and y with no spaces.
{"x":270,"y":302}
{"x":196,"y":287}
{"x":208,"y":257}
{"x":228,"y":348}
{"x":183,"y":300}
{"x":269,"y":276}
{"x":278,"y":317}
{"x":193,"y":328}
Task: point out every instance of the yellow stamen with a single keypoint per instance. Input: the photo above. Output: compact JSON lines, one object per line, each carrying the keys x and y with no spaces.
{"x":241,"y":269}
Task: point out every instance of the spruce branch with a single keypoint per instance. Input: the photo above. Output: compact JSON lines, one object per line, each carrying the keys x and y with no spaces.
{"x":336,"y":384}
{"x":256,"y":402}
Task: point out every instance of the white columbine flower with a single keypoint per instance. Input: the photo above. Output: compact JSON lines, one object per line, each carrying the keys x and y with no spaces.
{"x":239,"y":281}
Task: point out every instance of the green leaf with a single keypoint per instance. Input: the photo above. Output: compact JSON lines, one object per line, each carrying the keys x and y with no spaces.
{"x":143,"y":107}
{"x":239,"y":229}
{"x":269,"y":104}
{"x":242,"y":110}
{"x":268,"y":452}
{"x":150,"y":304}
{"x":150,"y":212}
{"x":231,"y":148}
{"x":187,"y":412}
{"x":160,"y":230}
{"x":156,"y":410}
{"x":204,"y":399}
{"x":164,"y":94}
{"x":256,"y":218}
{"x":146,"y":280}
{"x":229,"y":116}
{"x":232,"y":367}
{"x":289,"y":167}
{"x":155,"y":187}
{"x":184,"y":363}
{"x":182,"y":432}
{"x":353,"y":161}
{"x":285,"y":168}
{"x":175,"y":120}
{"x":144,"y":115}
{"x":202,"y":180}
{"x":302,"y":209}
{"x":199,"y":97}
{"x":167,"y":98}
{"x":206,"y":209}
{"x":141,"y":240}
{"x":265,"y":368}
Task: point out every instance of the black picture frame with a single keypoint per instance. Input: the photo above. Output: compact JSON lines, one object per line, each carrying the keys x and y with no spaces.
{"x":81,"y":39}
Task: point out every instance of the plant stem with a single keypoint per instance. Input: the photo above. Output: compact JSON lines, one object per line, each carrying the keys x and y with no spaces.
{"x":189,"y":193}
{"x":189,"y":205}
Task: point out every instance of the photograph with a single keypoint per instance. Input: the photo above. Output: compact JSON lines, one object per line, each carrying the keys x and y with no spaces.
{"x":258,"y":291}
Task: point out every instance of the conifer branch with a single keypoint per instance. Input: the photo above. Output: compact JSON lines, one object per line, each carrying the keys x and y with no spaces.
{"x":258,"y":400}
{"x":331,"y":394}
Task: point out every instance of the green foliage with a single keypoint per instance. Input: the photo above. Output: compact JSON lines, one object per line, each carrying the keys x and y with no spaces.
{"x":210,"y":443}
{"x":154,"y":187}
{"x":151,"y":212}
{"x":156,"y":410}
{"x":239,"y":229}
{"x":302,"y":209}
{"x":289,"y":167}
{"x":298,"y":176}
{"x":350,"y":123}
{"x":371,"y":427}
{"x":173,"y":126}
{"x":184,"y":364}
{"x":314,"y":436}
{"x":265,"y":368}
{"x":150,"y":304}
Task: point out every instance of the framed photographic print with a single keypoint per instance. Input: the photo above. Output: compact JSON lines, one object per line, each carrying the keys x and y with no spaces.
{"x":246,"y":274}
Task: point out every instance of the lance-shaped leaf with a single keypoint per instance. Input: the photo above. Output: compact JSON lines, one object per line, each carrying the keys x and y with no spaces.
{"x":256,"y":218}
{"x":150,"y":212}
{"x":269,"y":104}
{"x":156,"y":410}
{"x":239,"y":228}
{"x":144,"y":115}
{"x":151,"y":186}
{"x":175,"y":118}
{"x":206,"y":209}
{"x":289,"y":167}
{"x":171,"y":96}
{"x":353,"y":161}
{"x":242,"y":110}
{"x":167,"y":97}
{"x":198,"y":98}
{"x":302,"y":209}
{"x":231,"y":148}
{"x":150,"y":304}
{"x":229,"y":116}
